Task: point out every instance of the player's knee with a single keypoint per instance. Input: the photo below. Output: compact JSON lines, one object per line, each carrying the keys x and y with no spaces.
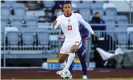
{"x":73,"y":50}
{"x":61,"y":60}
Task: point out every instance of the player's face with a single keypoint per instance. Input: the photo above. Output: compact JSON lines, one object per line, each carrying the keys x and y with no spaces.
{"x":67,"y":9}
{"x":97,"y":15}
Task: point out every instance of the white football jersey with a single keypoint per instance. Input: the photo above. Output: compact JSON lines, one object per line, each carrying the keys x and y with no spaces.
{"x":70,"y":25}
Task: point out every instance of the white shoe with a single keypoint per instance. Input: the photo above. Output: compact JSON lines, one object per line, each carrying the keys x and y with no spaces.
{"x":84,"y":77}
{"x":59,"y":72}
{"x":62,"y":74}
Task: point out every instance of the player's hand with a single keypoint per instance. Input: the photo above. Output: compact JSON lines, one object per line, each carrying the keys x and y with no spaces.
{"x":96,"y":35}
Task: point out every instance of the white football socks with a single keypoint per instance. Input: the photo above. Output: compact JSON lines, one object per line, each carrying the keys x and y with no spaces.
{"x":69,"y":61}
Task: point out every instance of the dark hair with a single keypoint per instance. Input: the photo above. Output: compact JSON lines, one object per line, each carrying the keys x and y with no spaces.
{"x":97,"y":13}
{"x":66,"y":2}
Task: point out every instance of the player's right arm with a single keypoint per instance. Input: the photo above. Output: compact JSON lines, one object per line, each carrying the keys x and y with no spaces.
{"x":56,"y":23}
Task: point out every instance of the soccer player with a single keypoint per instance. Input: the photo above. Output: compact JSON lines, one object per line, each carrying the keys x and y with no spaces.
{"x":81,"y":51}
{"x":69,"y":23}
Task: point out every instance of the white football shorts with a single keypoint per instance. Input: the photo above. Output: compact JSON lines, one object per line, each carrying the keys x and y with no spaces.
{"x":68,"y":43}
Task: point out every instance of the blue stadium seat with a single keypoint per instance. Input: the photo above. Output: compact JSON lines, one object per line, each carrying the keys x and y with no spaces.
{"x":4,"y":21}
{"x":3,"y":24}
{"x":111,"y":11}
{"x":16,"y":21}
{"x":88,"y":2}
{"x":13,"y":38}
{"x":2,"y":38}
{"x":31,"y":21}
{"x":5,"y":5}
{"x":9,"y":2}
{"x":83,"y":5}
{"x":28,"y":38}
{"x":110,"y":22}
{"x":110,"y":25}
{"x":131,"y":37}
{"x":100,"y":2}
{"x":19,"y":9}
{"x":85,"y":13}
{"x":43,"y":38}
{"x":122,"y":21}
{"x":49,"y":4}
{"x":5,"y":11}
{"x":121,"y":36}
{"x":97,"y":7}
{"x":44,"y":25}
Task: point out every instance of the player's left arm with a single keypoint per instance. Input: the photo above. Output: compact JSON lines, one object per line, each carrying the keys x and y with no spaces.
{"x":82,"y":21}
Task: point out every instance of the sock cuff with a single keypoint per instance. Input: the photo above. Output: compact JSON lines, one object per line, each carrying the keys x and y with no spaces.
{"x":72,"y":54}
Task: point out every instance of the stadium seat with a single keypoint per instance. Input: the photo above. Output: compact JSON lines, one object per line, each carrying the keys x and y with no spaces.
{"x":5,"y":11}
{"x":13,"y":38}
{"x":4,"y":22}
{"x":16,"y":21}
{"x":96,"y":5}
{"x":49,"y":4}
{"x":101,"y":2}
{"x":43,"y":38}
{"x":36,"y":12}
{"x":9,"y":2}
{"x":110,"y":25}
{"x":85,"y":13}
{"x":131,"y":37}
{"x":83,"y":6}
{"x":44,"y":25}
{"x":121,"y":36}
{"x":2,"y":38}
{"x":111,"y":11}
{"x":19,"y":9}
{"x":5,"y":5}
{"x":31,"y":21}
{"x":122,"y":21}
{"x":88,"y":2}
{"x":110,"y":22}
{"x":28,"y":38}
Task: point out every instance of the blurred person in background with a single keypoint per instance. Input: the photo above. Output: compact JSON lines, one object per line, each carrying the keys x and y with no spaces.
{"x":57,"y":9}
{"x":96,"y":19}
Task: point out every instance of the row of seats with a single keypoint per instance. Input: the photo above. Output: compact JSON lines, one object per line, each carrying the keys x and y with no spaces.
{"x":32,"y":21}
{"x":43,"y":36}
{"x":86,"y":13}
{"x":84,"y":8}
{"x":51,"y":3}
{"x":19,"y":9}
{"x":16,"y":21}
{"x":30,"y":38}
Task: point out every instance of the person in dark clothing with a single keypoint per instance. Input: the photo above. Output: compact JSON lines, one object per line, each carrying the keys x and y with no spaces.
{"x":96,"y":19}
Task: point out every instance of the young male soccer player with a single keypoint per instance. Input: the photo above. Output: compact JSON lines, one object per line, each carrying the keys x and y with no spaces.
{"x":69,"y":23}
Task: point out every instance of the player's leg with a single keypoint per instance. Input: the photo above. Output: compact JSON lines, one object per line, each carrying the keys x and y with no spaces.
{"x":62,"y":59}
{"x":71,"y":56}
{"x":82,"y":56}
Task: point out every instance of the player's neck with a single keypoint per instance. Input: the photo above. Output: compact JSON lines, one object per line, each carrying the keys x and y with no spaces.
{"x":67,"y":15}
